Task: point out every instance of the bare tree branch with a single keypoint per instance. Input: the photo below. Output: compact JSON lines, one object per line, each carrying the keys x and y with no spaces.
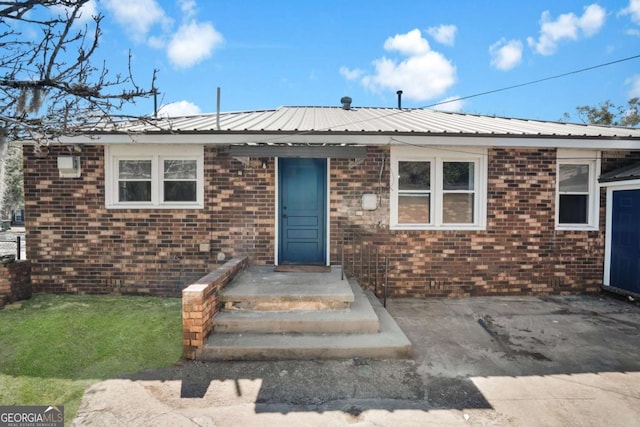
{"x":51,"y":86}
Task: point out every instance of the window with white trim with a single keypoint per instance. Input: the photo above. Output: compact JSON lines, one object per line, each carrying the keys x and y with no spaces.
{"x":134,"y":180}
{"x":438,"y":188}
{"x":154,"y":176}
{"x":577,"y":195}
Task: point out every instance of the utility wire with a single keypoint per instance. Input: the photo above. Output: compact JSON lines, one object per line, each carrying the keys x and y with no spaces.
{"x":529,"y":83}
{"x":557,"y":76}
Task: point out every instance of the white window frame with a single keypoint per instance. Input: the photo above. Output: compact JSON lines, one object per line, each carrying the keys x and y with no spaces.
{"x":437,"y":157}
{"x":591,"y":158}
{"x":157,"y":154}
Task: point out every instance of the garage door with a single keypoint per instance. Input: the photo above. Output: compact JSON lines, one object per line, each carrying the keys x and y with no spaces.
{"x":625,"y":241}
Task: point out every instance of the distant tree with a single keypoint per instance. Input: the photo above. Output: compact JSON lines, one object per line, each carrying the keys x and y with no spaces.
{"x":610,"y":114}
{"x":13,"y":197}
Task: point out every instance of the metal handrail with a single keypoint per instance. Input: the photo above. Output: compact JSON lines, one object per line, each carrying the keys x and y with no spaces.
{"x":359,"y":257}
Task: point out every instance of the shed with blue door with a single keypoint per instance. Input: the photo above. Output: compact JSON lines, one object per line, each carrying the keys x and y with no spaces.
{"x":622,"y":249}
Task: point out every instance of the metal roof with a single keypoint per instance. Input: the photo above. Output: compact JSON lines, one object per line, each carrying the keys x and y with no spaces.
{"x":367,"y":120}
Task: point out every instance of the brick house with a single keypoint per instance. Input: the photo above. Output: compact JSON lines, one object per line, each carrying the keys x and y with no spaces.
{"x":458,"y":204}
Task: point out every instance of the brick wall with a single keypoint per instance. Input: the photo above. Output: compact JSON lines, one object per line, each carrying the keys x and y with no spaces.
{"x":15,"y":282}
{"x":519,"y":253}
{"x":77,"y":245}
{"x":201,"y":301}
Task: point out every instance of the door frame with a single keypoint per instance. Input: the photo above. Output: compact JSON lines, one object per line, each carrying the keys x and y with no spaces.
{"x":611,"y":188}
{"x":327,"y":216}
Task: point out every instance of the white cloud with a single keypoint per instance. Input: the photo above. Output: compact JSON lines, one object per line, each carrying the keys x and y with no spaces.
{"x":633,"y":10}
{"x":424,"y":74}
{"x":349,"y":74}
{"x":452,"y":104}
{"x":157,"y":42}
{"x":505,"y":54}
{"x":87,"y":11}
{"x":177,"y":109}
{"x":189,"y":44}
{"x":138,"y":16}
{"x":592,"y":20}
{"x":634,"y":82}
{"x":445,"y":34}
{"x":192,"y":43}
{"x":411,"y":43}
{"x":188,"y":8}
{"x":567,"y":26}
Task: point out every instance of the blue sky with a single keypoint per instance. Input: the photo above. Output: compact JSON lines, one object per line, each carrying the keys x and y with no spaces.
{"x":265,"y":54}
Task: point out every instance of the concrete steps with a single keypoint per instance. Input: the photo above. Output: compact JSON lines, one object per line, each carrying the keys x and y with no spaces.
{"x":263,"y":289}
{"x":244,"y":330}
{"x":358,"y":318}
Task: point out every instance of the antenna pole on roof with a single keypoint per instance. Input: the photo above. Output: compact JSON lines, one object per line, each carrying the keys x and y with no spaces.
{"x":155,"y":101}
{"x":218,"y":108}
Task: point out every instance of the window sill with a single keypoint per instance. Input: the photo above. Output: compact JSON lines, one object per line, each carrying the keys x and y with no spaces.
{"x":576,"y":228}
{"x":150,"y":206}
{"x":438,"y":228}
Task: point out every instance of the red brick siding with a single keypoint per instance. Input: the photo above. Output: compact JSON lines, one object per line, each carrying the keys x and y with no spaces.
{"x":15,"y":282}
{"x":77,"y":245}
{"x":201,"y":301}
{"x":520,"y":252}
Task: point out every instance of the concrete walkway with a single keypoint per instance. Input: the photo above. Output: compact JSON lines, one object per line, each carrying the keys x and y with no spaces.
{"x":554,"y":361}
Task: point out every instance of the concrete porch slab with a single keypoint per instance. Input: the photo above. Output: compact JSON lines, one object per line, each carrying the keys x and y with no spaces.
{"x":261,"y":288}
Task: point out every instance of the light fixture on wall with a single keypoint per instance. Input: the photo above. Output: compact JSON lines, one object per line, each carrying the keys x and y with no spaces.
{"x":69,"y":166}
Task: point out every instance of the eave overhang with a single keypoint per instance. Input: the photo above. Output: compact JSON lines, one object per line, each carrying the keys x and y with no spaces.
{"x":357,"y":138}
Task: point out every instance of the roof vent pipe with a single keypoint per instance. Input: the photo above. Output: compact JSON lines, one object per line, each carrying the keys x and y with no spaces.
{"x":399,"y":93}
{"x":346,"y":102}
{"x":218,"y":108}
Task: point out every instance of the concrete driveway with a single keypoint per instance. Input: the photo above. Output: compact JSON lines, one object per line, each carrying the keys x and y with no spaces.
{"x":524,"y":361}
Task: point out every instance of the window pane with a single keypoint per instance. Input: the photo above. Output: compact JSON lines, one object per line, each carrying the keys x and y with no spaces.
{"x":414,"y":175}
{"x":574,"y":178}
{"x":180,"y":191}
{"x":134,"y":191}
{"x":457,"y":208}
{"x":180,"y":169}
{"x":574,"y":209}
{"x":134,"y":169}
{"x":414,"y":209}
{"x":457,"y":175}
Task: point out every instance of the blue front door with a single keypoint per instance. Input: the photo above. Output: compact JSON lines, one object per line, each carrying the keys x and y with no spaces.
{"x":625,"y":241}
{"x":302,"y":212}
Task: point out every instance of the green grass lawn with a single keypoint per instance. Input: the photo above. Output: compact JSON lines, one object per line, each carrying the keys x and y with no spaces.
{"x":55,"y":346}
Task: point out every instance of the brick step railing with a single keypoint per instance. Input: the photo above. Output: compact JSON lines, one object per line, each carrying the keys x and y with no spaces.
{"x":15,"y":282}
{"x":201,"y":301}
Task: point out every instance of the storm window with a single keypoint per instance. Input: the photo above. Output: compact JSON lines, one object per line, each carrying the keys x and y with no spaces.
{"x":438,"y":188}
{"x":576,"y":189}
{"x":168,"y":177}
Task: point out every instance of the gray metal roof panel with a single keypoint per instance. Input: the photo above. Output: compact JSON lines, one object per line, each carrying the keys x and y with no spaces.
{"x":385,"y":120}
